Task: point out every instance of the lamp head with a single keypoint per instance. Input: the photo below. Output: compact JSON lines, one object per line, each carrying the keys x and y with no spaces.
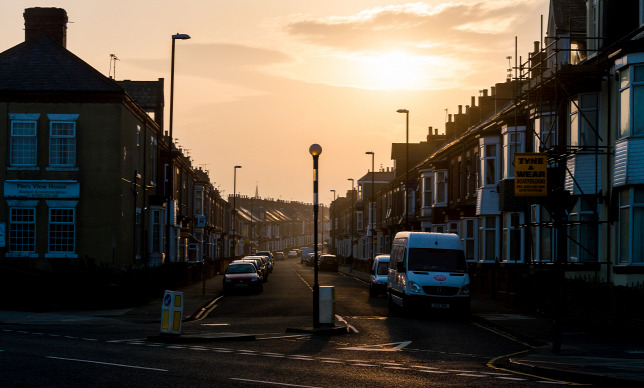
{"x":369,"y":153}
{"x":238,"y":166}
{"x":180,"y":36}
{"x":402,"y":111}
{"x":315,"y":149}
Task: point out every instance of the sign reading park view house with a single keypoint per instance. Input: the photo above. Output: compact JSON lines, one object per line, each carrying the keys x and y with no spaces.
{"x":530,"y":174}
{"x":41,"y":189}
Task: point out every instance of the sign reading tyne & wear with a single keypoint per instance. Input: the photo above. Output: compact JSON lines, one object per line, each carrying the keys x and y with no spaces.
{"x":530,"y":174}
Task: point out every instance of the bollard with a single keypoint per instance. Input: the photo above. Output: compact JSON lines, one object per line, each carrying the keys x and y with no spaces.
{"x":172,"y":312}
{"x":327,"y":305}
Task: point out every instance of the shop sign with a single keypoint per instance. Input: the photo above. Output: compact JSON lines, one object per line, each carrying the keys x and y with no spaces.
{"x":41,"y":189}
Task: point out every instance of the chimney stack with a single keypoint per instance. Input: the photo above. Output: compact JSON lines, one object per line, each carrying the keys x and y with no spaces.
{"x":50,"y":21}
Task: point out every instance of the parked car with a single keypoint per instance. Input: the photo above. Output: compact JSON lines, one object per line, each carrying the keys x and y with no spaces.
{"x":292,"y":254}
{"x":269,"y":255}
{"x":261,"y":264}
{"x":242,"y":276}
{"x":279,"y":255}
{"x":328,"y":263}
{"x":378,"y":275}
{"x":308,"y":259}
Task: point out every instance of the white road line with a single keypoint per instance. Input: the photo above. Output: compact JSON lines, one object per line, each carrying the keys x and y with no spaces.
{"x":107,"y":363}
{"x":350,"y":327}
{"x":273,"y":383}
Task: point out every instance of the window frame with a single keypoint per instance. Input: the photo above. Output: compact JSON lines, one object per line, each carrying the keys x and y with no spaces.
{"x":627,"y":242}
{"x":511,"y":226}
{"x":13,"y":223}
{"x":27,"y":152}
{"x":51,"y":241}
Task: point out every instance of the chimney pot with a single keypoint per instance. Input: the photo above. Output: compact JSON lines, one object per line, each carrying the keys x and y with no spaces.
{"x":460,"y":109}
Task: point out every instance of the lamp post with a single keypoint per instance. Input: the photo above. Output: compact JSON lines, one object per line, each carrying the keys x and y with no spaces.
{"x":332,"y":223}
{"x":372,"y":203}
{"x":174,"y":38}
{"x":315,"y":150}
{"x":169,"y":219}
{"x":353,"y":203}
{"x":235,"y":210}
{"x":406,"y":112}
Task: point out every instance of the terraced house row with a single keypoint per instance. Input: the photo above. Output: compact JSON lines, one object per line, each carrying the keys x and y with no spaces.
{"x":90,"y":174}
{"x":575,"y":108}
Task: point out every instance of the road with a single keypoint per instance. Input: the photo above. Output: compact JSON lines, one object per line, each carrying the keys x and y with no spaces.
{"x":381,"y":350}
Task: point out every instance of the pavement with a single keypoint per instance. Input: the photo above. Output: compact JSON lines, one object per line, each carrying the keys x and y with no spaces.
{"x":582,"y":356}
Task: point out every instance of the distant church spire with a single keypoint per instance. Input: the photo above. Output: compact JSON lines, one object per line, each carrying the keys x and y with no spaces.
{"x":256,"y":190}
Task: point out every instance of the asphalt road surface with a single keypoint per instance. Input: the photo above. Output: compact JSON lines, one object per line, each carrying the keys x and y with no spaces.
{"x":381,"y":349}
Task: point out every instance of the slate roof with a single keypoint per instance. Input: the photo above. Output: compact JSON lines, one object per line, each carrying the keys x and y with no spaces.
{"x":569,"y":15}
{"x":43,"y":65}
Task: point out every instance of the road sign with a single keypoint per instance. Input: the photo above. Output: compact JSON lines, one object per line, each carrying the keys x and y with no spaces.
{"x":530,"y":174}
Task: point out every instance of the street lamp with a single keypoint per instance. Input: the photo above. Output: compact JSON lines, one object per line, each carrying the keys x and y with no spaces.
{"x":174,"y":38}
{"x":331,"y":228}
{"x":372,"y":206}
{"x":235,"y":209}
{"x":406,"y":112}
{"x":353,"y":203}
{"x":315,"y":150}
{"x":169,"y":219}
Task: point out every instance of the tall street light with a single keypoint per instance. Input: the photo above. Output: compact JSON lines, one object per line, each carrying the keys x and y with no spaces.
{"x":353,"y":203}
{"x":372,"y":203}
{"x":331,"y":214}
{"x":169,"y":218}
{"x":235,"y":209}
{"x":315,"y":150}
{"x":406,"y":112}
{"x":174,"y":38}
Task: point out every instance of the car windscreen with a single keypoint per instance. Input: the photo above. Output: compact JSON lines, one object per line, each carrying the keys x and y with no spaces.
{"x":436,"y":260}
{"x":383,"y":268}
{"x":241,"y":268}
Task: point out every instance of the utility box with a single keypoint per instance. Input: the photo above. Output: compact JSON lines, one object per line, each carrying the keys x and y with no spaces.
{"x":172,"y":312}
{"x":327,"y":305}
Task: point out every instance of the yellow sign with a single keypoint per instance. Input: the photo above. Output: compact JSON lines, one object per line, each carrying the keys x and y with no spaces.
{"x":530,"y":174}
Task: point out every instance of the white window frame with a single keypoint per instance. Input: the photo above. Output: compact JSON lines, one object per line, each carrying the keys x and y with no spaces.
{"x":486,"y":230}
{"x":19,"y":224}
{"x":428,"y":190}
{"x":440,"y":184}
{"x":156,"y":231}
{"x":23,"y":143}
{"x":62,"y":141}
{"x":512,"y":229}
{"x":631,"y":92}
{"x":581,"y":235}
{"x":489,"y":152}
{"x":61,"y":229}
{"x":546,"y":130}
{"x":469,"y":233}
{"x":359,"y":220}
{"x":584,"y":119}
{"x":631,"y":217}
{"x":512,"y":143}
{"x":542,"y":234}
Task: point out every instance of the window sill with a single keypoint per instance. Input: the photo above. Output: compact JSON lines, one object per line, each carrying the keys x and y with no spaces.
{"x":21,"y":254}
{"x":61,"y":168}
{"x":60,"y":255}
{"x":26,"y":168}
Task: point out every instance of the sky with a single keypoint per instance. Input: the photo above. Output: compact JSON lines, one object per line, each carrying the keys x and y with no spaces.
{"x":260,"y":81}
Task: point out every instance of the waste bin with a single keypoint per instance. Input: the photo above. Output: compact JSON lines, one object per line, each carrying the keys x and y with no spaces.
{"x":327,"y":305}
{"x":172,"y":312}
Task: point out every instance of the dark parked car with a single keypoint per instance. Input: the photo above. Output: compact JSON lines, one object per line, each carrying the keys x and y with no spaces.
{"x":242,"y":276}
{"x":328,"y":262}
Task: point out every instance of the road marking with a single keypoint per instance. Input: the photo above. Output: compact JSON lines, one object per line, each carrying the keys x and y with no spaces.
{"x":273,"y":383}
{"x":107,"y":363}
{"x":380,"y":348}
{"x":350,"y":327}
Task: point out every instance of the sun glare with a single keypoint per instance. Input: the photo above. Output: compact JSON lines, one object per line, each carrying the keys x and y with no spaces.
{"x":395,"y":70}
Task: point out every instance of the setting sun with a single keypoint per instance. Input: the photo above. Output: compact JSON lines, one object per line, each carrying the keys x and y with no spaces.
{"x":395,"y":70}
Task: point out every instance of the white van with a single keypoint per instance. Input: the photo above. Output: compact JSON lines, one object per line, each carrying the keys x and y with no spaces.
{"x":378,"y":275}
{"x":428,"y":270}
